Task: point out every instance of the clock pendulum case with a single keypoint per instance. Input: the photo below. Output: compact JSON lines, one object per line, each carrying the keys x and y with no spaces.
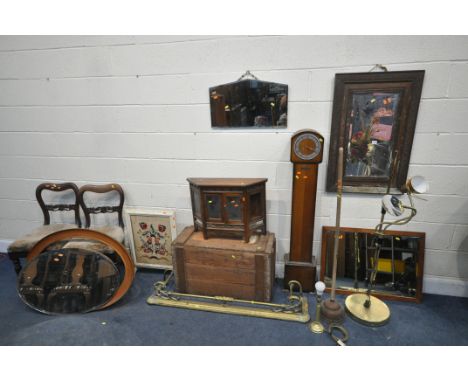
{"x":306,"y":154}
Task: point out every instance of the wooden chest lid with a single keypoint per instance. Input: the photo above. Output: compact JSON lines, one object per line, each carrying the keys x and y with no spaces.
{"x":190,"y":238}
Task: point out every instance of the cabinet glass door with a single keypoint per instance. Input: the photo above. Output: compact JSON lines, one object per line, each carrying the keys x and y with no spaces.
{"x":196,"y":202}
{"x":256,"y":205}
{"x":213,"y":206}
{"x":233,"y":207}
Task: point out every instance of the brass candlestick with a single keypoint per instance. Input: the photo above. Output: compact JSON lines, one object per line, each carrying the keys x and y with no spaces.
{"x":316,"y":326}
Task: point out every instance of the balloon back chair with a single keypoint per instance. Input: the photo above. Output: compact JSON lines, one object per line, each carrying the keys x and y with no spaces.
{"x":91,"y":207}
{"x":20,"y":247}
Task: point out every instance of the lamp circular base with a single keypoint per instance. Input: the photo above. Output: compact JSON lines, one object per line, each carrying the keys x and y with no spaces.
{"x":377,"y":314}
{"x":316,"y":327}
{"x":332,"y":311}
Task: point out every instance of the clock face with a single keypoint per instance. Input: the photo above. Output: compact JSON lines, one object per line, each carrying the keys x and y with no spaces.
{"x":307,"y":146}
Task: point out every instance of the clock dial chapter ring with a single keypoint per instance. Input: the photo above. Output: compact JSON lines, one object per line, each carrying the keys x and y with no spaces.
{"x":307,"y":146}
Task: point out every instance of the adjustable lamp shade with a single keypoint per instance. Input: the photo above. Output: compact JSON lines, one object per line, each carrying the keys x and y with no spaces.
{"x":319,"y":288}
{"x":417,"y":185}
{"x":392,"y":205}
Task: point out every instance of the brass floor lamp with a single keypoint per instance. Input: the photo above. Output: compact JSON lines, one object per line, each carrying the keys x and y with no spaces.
{"x":363,"y":307}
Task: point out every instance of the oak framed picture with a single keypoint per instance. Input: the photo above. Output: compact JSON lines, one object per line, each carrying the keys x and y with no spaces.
{"x":374,"y":119}
{"x":150,"y":234}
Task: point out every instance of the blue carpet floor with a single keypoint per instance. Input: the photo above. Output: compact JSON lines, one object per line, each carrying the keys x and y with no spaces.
{"x":439,"y":320}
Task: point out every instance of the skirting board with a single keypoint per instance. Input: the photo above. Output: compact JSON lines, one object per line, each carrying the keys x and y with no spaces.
{"x":4,"y":245}
{"x":446,"y":286}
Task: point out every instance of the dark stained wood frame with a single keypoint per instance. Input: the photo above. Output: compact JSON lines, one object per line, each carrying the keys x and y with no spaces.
{"x":101,"y":189}
{"x":383,"y":296}
{"x":409,"y":84}
{"x":77,"y":233}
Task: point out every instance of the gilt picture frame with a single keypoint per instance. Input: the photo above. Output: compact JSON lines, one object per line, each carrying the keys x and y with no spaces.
{"x":374,"y":119}
{"x":150,"y":233}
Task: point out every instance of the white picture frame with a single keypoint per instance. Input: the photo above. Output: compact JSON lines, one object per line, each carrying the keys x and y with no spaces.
{"x":150,"y":233}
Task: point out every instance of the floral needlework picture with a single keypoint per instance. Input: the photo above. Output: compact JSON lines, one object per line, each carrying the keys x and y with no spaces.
{"x":151,"y":237}
{"x":153,"y":242}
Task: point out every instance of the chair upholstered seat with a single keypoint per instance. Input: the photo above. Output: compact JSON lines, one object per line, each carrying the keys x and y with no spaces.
{"x":26,"y":242}
{"x":115,"y":232}
{"x":21,"y":247}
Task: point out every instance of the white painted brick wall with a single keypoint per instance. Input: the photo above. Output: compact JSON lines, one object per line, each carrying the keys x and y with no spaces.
{"x":134,"y":110}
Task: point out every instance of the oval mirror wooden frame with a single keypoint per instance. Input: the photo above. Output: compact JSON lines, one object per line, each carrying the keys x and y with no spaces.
{"x":78,"y":233}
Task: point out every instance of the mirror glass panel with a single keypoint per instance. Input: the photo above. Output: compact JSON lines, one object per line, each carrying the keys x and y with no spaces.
{"x":68,"y":281}
{"x":255,"y":205}
{"x":233,"y":207}
{"x":213,"y":206}
{"x":196,"y":201}
{"x":249,"y":103}
{"x":399,"y":268}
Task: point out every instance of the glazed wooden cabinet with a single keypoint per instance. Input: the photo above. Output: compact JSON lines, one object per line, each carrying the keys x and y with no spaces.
{"x":228,"y":207}
{"x":224,"y":267}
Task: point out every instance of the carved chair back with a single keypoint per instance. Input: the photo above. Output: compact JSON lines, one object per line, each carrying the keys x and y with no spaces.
{"x":101,"y":189}
{"x":51,"y":207}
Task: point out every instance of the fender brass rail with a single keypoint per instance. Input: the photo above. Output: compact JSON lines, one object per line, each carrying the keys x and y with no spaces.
{"x":296,"y":309}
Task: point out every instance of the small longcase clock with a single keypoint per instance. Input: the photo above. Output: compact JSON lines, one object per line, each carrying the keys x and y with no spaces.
{"x":306,"y":154}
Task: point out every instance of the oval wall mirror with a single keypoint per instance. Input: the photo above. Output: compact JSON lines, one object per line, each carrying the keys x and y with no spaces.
{"x":62,"y":276}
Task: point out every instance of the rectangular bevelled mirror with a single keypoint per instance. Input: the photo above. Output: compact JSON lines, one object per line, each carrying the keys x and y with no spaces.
{"x":399,"y":268}
{"x":249,"y":103}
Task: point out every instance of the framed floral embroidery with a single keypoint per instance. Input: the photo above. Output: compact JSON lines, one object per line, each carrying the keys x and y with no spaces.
{"x":374,"y":119}
{"x":150,"y":234}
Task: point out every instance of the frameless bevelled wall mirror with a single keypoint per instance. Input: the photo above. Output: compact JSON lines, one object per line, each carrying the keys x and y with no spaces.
{"x":399,"y":268}
{"x":249,"y":102}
